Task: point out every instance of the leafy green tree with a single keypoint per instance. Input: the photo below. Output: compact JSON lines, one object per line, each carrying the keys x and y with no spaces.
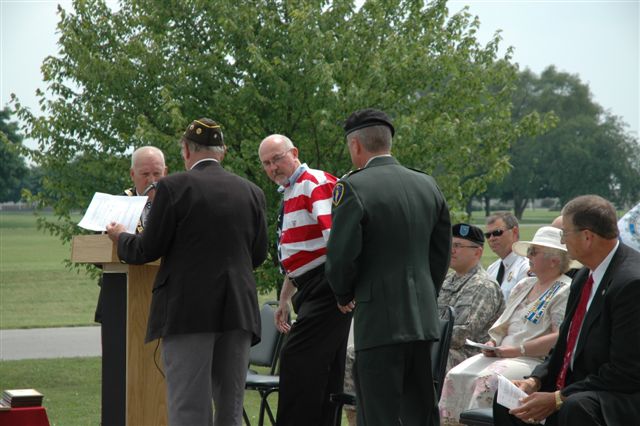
{"x":140,"y":74}
{"x":12,"y":165}
{"x":587,"y":150}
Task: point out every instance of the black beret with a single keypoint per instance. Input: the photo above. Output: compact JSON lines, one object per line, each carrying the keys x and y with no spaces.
{"x":468,"y":232}
{"x":204,"y":131}
{"x":367,"y":118}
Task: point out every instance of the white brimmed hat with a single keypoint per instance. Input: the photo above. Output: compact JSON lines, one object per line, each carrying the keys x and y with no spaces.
{"x":547,"y":236}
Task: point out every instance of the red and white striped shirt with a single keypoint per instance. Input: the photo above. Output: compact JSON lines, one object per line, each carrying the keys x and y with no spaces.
{"x":306,"y":220}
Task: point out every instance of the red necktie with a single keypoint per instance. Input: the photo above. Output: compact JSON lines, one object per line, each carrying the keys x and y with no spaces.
{"x":574,"y":330}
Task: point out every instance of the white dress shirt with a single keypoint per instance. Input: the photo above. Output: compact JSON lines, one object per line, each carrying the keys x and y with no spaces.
{"x":515,"y":268}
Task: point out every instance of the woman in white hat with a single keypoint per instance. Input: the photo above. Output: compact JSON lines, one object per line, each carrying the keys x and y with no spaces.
{"x":522,"y":335}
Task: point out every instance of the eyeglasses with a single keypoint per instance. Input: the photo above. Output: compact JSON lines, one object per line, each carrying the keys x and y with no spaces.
{"x":275,"y":159}
{"x":495,"y":233}
{"x":457,"y":246}
{"x":533,"y":251}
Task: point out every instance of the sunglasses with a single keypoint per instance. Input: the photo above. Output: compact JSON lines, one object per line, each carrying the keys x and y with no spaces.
{"x":496,"y":233}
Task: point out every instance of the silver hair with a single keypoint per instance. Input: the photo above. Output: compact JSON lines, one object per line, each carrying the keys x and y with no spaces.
{"x":196,"y":147}
{"x":508,"y":218}
{"x":146,"y":150}
{"x":374,"y":139}
{"x":563,"y":258}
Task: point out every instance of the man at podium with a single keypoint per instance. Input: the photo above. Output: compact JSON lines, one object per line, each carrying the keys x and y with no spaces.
{"x":209,"y":227}
{"x":147,"y":168}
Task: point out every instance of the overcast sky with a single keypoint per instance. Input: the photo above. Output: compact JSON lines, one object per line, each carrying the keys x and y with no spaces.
{"x":597,"y":40}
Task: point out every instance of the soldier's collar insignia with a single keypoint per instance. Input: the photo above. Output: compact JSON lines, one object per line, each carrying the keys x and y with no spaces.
{"x":338,"y":192}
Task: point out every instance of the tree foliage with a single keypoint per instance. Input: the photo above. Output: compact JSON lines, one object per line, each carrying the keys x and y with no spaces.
{"x":12,"y":165}
{"x":138,"y":75}
{"x":587,"y":151}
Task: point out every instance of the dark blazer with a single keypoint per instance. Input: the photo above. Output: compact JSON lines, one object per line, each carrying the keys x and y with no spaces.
{"x":607,"y":356}
{"x":209,"y":227}
{"x":389,"y":249}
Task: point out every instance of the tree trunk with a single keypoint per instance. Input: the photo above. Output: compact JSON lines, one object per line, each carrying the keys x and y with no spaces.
{"x":487,"y":205}
{"x":519,"y":204}
{"x":469,"y":209}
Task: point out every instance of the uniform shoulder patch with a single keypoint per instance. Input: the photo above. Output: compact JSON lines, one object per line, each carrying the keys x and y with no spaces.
{"x":338,"y":193}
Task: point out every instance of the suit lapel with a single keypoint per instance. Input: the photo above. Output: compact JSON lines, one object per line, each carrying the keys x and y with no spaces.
{"x":597,"y":304}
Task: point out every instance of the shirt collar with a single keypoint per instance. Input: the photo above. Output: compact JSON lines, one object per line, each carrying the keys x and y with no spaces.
{"x":598,"y":273}
{"x":202,"y":161}
{"x":294,"y":177}
{"x":377,"y":156}
{"x":474,"y":270}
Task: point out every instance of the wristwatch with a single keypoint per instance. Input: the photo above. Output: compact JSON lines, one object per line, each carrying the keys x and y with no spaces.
{"x":559,"y":400}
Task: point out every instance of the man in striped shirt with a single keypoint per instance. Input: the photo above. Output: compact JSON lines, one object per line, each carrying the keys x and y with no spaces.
{"x":312,"y":360}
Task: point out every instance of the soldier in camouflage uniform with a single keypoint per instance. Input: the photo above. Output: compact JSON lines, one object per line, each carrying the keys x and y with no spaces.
{"x":475,"y":297}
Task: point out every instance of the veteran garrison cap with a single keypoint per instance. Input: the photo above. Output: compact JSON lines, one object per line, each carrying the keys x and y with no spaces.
{"x":367,"y":118}
{"x":204,"y":131}
{"x":468,"y":232}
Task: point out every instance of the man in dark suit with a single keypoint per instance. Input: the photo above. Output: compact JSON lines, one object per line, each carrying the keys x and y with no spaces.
{"x":387,"y":257}
{"x":592,"y":376}
{"x":147,"y":168}
{"x":209,"y":227}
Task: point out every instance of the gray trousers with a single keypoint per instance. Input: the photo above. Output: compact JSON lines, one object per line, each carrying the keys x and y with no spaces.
{"x":202,"y":367}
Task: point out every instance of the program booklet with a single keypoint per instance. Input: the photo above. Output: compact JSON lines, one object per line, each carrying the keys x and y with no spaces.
{"x":479,"y":345}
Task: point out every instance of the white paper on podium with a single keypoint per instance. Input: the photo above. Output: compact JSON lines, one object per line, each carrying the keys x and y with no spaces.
{"x":107,"y":208}
{"x":509,"y":394}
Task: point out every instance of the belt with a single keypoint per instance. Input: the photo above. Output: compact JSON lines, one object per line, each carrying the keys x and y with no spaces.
{"x":303,"y":279}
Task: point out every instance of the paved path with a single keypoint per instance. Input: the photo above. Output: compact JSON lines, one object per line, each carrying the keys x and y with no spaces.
{"x":64,"y":342}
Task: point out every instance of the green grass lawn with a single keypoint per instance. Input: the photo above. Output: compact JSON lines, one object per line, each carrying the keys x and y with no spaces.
{"x":37,"y":290}
{"x":71,"y":388}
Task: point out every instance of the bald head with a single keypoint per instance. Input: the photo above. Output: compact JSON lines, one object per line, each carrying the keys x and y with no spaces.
{"x":279,"y":158}
{"x":557,"y":222}
{"x":147,"y":167}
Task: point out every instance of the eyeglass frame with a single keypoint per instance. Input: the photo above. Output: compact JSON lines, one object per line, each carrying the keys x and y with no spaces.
{"x":275,"y":159}
{"x":533,"y":251}
{"x":496,"y":233}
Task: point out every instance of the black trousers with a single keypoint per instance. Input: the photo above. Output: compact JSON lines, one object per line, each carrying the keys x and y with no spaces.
{"x":582,"y":408}
{"x":394,"y":385}
{"x":312,"y":358}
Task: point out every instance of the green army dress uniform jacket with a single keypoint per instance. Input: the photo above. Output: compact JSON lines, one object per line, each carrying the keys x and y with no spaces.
{"x":389,"y":251}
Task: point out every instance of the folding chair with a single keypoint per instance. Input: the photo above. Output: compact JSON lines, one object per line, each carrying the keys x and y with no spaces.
{"x":477,"y":417}
{"x":265,"y":354}
{"x":439,"y":354}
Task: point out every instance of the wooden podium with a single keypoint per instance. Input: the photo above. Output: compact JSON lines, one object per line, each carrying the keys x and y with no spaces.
{"x":144,"y":387}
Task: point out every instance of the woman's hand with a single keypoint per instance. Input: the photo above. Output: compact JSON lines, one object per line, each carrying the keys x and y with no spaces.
{"x":507,"y":351}
{"x":487,"y":352}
